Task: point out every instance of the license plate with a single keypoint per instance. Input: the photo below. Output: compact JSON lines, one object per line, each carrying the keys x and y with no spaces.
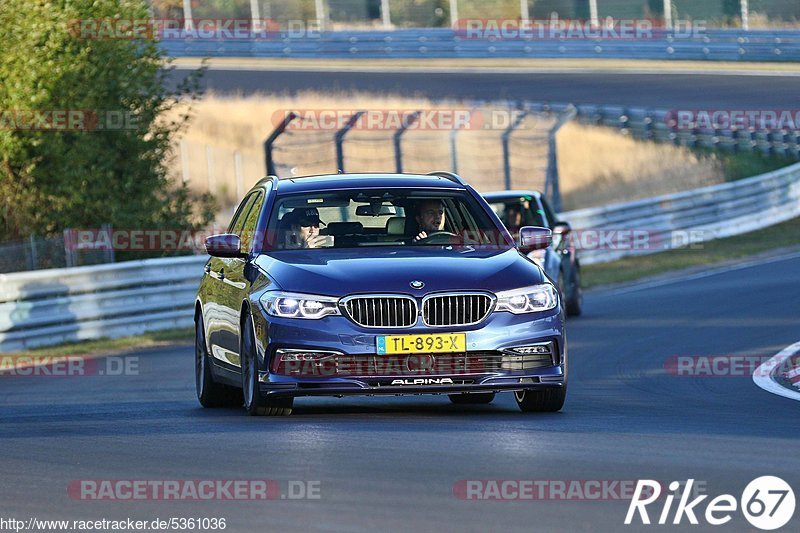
{"x":438,"y":343}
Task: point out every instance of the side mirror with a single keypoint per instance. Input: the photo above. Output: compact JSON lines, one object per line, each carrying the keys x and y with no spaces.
{"x":562,"y":228}
{"x":534,"y":238}
{"x":224,"y":245}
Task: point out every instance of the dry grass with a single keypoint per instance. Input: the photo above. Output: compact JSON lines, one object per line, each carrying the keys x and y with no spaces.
{"x":597,"y":165}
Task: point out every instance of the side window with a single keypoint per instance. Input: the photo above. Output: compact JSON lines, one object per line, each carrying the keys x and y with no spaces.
{"x":551,"y":217}
{"x":237,"y":222}
{"x":250,"y":222}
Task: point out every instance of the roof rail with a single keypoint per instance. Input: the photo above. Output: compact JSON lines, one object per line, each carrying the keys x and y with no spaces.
{"x":448,"y":175}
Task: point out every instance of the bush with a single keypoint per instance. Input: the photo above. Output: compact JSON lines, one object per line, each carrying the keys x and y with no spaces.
{"x":60,"y":178}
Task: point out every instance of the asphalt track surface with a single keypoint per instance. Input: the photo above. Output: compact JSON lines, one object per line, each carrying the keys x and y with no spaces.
{"x":672,"y":91}
{"x":391,"y":463}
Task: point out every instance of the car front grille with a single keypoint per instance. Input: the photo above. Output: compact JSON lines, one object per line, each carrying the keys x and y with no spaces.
{"x":398,"y":311}
{"x":455,"y":309}
{"x":382,"y":311}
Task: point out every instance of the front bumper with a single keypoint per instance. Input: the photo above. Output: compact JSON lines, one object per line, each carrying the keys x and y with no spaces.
{"x":498,"y":333}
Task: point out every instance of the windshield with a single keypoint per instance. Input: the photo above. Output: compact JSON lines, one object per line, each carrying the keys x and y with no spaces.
{"x":517,"y":213}
{"x":380,"y":217}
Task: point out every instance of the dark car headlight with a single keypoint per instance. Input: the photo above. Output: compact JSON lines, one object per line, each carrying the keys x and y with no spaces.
{"x":533,"y":299}
{"x":296,"y":305}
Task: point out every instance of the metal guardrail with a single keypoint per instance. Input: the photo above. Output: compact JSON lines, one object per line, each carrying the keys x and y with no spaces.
{"x":711,"y":44}
{"x":696,"y":215}
{"x":49,"y":307}
{"x":52,"y":306}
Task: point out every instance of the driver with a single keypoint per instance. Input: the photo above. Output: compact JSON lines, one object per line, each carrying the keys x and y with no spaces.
{"x":430,"y":218}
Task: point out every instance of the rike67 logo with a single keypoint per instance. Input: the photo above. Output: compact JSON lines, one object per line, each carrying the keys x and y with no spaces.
{"x":767,"y":503}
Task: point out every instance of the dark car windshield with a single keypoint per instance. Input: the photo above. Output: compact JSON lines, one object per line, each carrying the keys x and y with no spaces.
{"x":380,"y":217}
{"x":517,"y":212}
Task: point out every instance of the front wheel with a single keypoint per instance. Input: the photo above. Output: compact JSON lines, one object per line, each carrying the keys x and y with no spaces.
{"x":254,"y":402}
{"x":541,"y":400}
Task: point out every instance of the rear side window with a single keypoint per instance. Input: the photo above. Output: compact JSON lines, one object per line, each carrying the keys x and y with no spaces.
{"x":250,"y":221}
{"x":237,"y":222}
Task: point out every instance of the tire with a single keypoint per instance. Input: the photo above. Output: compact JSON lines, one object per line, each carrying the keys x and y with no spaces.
{"x":209,"y":393}
{"x":541,"y":400}
{"x":254,"y":402}
{"x":473,"y":398}
{"x":574,"y":294}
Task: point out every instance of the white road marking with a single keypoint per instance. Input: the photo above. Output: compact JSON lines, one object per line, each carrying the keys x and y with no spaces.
{"x":763,"y":374}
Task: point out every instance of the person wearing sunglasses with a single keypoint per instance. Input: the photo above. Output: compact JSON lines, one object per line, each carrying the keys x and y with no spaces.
{"x":302,"y":229}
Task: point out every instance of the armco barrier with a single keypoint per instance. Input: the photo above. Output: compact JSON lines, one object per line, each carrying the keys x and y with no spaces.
{"x":711,"y":44}
{"x":47,"y":307}
{"x":709,"y":213}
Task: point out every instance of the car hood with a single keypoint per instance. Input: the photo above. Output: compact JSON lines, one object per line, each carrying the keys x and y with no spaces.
{"x":338,"y":272}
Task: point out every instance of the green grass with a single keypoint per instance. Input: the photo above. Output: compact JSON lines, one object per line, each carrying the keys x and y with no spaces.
{"x":737,"y":166}
{"x":108,"y":346}
{"x":628,"y":269}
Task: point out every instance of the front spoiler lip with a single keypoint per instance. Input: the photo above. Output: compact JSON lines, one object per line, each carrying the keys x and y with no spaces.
{"x":358,"y":388}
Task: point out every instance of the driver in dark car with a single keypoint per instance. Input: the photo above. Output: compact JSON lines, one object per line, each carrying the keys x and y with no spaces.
{"x":430,"y":218}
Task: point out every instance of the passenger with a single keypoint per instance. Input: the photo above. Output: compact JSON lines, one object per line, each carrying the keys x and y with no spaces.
{"x":301,"y":229}
{"x":513,"y":218}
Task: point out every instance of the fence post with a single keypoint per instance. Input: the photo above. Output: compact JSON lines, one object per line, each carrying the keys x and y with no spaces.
{"x":454,"y":142}
{"x":237,"y":169}
{"x":319,"y":7}
{"x":255,"y":16}
{"x":398,"y":151}
{"x":212,"y":181}
{"x":506,"y":155}
{"x":524,"y":10}
{"x":69,"y":249}
{"x":34,"y":259}
{"x":340,"y":140}
{"x":745,"y":15}
{"x":109,"y":255}
{"x":386,"y":14}
{"x":668,"y":14}
{"x":188,"y":22}
{"x":270,"y":164}
{"x":453,"y":13}
{"x":594,"y":15}
{"x":552,"y":186}
{"x":454,"y":150}
{"x":184,"y":161}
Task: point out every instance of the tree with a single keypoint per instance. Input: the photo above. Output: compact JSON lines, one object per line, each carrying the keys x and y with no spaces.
{"x":95,"y":170}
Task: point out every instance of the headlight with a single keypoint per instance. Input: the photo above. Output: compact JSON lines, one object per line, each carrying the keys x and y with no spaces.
{"x":528,"y":300}
{"x":294,"y":305}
